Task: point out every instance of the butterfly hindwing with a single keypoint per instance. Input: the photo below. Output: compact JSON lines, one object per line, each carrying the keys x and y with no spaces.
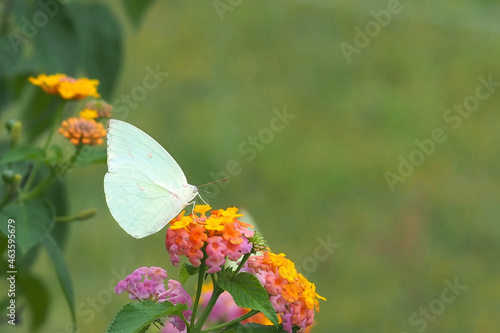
{"x":145,"y":187}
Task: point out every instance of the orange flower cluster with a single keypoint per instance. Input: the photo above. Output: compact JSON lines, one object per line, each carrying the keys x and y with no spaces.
{"x":222,"y":235}
{"x":66,"y":87}
{"x":83,"y":131}
{"x":292,"y":295}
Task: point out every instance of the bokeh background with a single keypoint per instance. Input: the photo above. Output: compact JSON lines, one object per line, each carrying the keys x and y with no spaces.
{"x":323,"y":177}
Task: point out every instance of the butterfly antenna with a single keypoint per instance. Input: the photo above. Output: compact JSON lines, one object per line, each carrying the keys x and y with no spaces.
{"x":217,"y":181}
{"x":205,"y":191}
{"x":199,"y":188}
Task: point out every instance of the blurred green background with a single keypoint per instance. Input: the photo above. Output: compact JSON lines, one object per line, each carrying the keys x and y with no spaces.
{"x":322,"y":177}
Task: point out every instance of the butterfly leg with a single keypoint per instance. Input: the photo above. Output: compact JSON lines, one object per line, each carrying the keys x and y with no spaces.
{"x":202,"y":199}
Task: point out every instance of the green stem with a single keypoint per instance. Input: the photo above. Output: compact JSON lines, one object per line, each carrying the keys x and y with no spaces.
{"x":201,"y":275}
{"x":47,"y":143}
{"x":43,"y":185}
{"x":188,"y":327}
{"x":39,"y":188}
{"x":234,"y":321}
{"x":243,"y":261}
{"x":211,"y":303}
{"x":83,"y":215}
{"x":11,"y":191}
{"x":6,"y":198}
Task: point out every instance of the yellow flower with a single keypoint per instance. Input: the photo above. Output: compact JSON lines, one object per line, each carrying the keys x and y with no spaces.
{"x":83,"y":131}
{"x":288,"y":271}
{"x":182,"y":223}
{"x":213,"y":223}
{"x":202,"y":209}
{"x":309,"y":293}
{"x":231,"y":213}
{"x":48,"y":83}
{"x":89,"y":114}
{"x":65,"y":86}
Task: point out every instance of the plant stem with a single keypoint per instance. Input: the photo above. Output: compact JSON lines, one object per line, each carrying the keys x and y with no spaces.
{"x":46,"y":145}
{"x":83,"y":215}
{"x":188,"y":327}
{"x":201,"y":275}
{"x":211,"y":303}
{"x":234,"y":321}
{"x":39,"y":188}
{"x":243,"y":261}
{"x":43,"y":185}
{"x":6,"y":198}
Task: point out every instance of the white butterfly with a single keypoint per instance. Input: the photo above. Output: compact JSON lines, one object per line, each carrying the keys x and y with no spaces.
{"x":145,"y":188}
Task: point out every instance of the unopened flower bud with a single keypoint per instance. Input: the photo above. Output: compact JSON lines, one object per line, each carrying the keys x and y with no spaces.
{"x":8,"y":176}
{"x":15,"y":128}
{"x":259,"y":243}
{"x":86,"y":214}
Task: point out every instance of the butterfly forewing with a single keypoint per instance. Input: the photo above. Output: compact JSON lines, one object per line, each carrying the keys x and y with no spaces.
{"x":145,"y":188}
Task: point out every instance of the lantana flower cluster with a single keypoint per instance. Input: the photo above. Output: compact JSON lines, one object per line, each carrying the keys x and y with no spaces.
{"x":66,"y":86}
{"x":85,"y":129}
{"x":147,"y":283}
{"x":291,"y":294}
{"x":221,"y":234}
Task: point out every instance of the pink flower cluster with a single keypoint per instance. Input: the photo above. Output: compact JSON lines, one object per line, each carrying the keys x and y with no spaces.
{"x":151,"y":288}
{"x":291,"y":294}
{"x":148,"y":283}
{"x":222,"y":235}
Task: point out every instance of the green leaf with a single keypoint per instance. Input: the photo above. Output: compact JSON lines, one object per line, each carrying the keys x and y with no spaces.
{"x":135,"y":317}
{"x":58,"y":195}
{"x":62,"y":271}
{"x":10,"y":59}
{"x":247,"y":292}
{"x":135,"y":10}
{"x":23,"y":153}
{"x":34,"y":221}
{"x":36,"y":295}
{"x":91,"y":155}
{"x":101,"y":40}
{"x":187,"y":270}
{"x":56,"y":44}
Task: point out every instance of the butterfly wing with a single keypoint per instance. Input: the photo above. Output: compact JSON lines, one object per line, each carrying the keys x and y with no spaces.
{"x":145,"y":188}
